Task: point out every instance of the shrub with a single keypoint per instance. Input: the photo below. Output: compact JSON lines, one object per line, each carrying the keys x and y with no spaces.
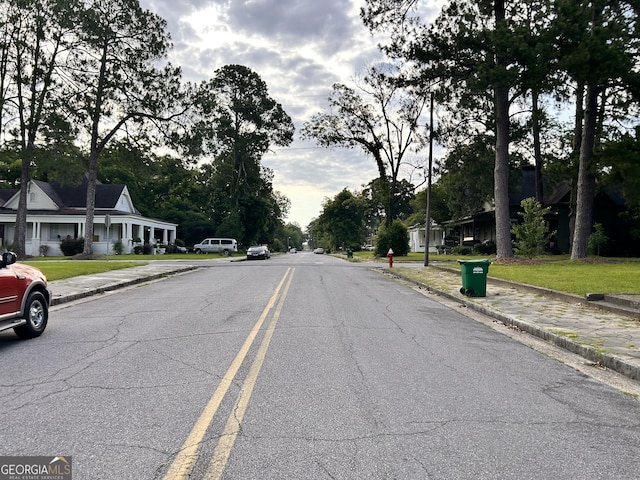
{"x":597,"y":240}
{"x":72,"y":246}
{"x":532,"y":234}
{"x":485,"y":248}
{"x":395,"y":237}
{"x":461,"y":250}
{"x":118,"y":248}
{"x":277,"y":246}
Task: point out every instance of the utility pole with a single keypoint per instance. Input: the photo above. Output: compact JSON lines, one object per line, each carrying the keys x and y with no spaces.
{"x":427,"y":225}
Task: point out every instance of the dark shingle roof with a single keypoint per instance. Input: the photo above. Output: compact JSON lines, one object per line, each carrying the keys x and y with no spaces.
{"x":75,"y":196}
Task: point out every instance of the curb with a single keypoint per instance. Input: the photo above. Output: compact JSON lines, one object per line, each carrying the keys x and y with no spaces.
{"x":612,"y":362}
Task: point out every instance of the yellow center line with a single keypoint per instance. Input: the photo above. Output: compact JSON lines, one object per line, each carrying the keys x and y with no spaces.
{"x":187,"y":454}
{"x":232,"y":428}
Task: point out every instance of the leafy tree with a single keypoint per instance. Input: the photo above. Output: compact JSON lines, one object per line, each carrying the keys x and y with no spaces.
{"x":290,"y":235}
{"x":341,"y":223}
{"x":465,"y":177}
{"x":533,"y":233}
{"x":115,"y":80}
{"x":467,"y":53}
{"x":532,"y":47}
{"x":10,"y":165}
{"x":161,"y":187}
{"x":387,"y":129}
{"x":598,"y":43}
{"x":376,"y":194}
{"x":440,"y":211}
{"x":238,"y":123}
{"x":395,"y":237}
{"x":514,"y":48}
{"x":35,"y":38}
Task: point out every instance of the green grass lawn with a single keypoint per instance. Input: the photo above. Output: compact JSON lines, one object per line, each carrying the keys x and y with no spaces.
{"x":574,"y":277}
{"x":598,"y":275}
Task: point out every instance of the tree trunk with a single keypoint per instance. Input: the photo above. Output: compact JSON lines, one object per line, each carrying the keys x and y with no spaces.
{"x":385,"y":186}
{"x":575,"y":154}
{"x":504,"y":248}
{"x":92,"y":180}
{"x":586,"y":178}
{"x":537,"y":149}
{"x":20,"y":233}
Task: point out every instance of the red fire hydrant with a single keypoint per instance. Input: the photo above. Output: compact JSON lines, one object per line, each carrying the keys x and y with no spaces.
{"x":390,"y":256}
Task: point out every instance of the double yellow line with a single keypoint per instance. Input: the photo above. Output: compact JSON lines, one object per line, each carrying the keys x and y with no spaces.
{"x":188,"y":454}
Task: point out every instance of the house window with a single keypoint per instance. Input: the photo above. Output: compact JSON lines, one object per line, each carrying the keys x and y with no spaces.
{"x":32,"y":197}
{"x":54,"y":233}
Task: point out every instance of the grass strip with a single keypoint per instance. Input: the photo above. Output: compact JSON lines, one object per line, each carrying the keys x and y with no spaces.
{"x":58,"y":270}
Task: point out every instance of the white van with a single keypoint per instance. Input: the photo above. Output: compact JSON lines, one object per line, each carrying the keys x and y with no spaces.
{"x":226,"y":246}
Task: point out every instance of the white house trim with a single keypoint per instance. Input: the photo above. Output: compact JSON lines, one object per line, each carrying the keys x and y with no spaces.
{"x":52,"y":215}
{"x":417,"y":234}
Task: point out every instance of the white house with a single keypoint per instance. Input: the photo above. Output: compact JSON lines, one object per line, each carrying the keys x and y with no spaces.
{"x":417,"y":234}
{"x":55,"y":212}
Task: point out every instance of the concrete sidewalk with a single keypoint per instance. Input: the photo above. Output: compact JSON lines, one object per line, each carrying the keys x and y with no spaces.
{"x":606,"y":333}
{"x":76,"y":288}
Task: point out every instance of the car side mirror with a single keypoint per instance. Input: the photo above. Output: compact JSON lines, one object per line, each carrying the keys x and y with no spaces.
{"x":8,"y":258}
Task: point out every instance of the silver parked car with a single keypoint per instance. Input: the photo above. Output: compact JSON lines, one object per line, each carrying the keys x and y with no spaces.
{"x":226,"y":246}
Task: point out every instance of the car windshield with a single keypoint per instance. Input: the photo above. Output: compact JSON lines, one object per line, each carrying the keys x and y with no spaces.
{"x":255,"y":249}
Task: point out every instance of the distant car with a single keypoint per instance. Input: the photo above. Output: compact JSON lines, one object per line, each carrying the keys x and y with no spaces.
{"x":258,"y":252}
{"x":293,"y":250}
{"x":319,"y":250}
{"x":24,"y":298}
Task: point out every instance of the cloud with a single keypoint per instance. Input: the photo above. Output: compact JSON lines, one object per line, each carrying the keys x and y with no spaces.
{"x":300,"y":48}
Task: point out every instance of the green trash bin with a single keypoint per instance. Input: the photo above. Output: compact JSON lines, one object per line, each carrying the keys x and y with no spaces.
{"x":349,"y":253}
{"x":474,"y":277}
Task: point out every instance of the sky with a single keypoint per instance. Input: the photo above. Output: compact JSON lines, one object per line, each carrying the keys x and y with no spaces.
{"x":300,"y":48}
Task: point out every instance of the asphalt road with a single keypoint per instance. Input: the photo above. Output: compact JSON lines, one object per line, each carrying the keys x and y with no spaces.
{"x":301,"y":367}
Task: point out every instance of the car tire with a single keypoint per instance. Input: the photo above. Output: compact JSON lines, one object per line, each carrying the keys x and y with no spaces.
{"x":36,"y":314}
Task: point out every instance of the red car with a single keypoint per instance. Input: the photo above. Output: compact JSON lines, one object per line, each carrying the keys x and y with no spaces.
{"x":24,"y":298}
